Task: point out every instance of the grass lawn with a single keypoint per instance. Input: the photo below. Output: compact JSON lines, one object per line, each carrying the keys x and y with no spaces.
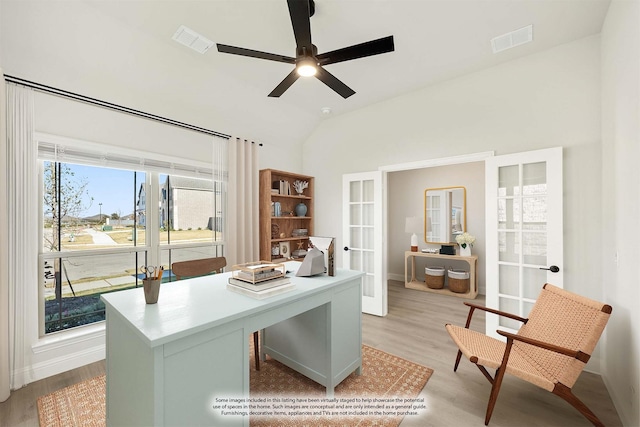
{"x":124,"y":236}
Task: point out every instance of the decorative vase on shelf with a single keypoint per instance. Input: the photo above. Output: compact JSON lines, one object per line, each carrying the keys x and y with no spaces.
{"x":465,"y":250}
{"x":301,"y":209}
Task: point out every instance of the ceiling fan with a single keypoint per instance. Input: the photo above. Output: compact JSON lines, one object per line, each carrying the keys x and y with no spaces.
{"x":307,"y":61}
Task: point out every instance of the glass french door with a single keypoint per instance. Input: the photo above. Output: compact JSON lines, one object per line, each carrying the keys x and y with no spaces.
{"x":524,"y":231}
{"x":363,"y":236}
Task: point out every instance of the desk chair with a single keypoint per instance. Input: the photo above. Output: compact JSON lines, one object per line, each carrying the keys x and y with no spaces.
{"x":550,"y":350}
{"x":203,"y":267}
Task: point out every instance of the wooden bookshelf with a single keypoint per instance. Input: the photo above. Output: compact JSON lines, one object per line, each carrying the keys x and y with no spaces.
{"x":277,"y":230}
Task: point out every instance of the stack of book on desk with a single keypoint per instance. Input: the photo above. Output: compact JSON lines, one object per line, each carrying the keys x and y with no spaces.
{"x":259,"y":280}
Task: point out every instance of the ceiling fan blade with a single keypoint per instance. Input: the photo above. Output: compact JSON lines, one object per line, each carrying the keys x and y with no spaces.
{"x":373,"y":47}
{"x":223,"y":48}
{"x":285,"y":84}
{"x":332,"y":81}
{"x":300,"y":13}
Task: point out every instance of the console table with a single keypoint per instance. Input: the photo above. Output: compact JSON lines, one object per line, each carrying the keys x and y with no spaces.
{"x":411,"y":282}
{"x":168,"y":362}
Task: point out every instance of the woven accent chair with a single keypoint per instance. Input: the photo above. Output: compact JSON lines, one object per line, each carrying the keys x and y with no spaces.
{"x":550,"y":350}
{"x":202,"y":267}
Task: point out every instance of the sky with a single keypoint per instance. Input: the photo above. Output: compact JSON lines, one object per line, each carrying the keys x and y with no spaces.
{"x":114,"y":188}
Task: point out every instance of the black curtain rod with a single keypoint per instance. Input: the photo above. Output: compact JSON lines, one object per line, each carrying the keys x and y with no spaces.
{"x":109,"y":105}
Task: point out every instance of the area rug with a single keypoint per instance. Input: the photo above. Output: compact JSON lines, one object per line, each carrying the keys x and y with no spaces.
{"x":386,"y":391}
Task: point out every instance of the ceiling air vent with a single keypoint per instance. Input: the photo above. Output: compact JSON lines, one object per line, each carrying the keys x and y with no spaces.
{"x":512,"y":39}
{"x":191,"y":39}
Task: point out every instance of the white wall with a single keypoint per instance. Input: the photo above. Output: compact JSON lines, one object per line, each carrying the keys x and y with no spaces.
{"x":281,"y":158}
{"x":72,"y":119}
{"x":621,"y":204}
{"x":540,"y":101}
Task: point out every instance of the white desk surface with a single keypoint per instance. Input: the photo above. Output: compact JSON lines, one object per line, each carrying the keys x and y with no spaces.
{"x":189,"y":306}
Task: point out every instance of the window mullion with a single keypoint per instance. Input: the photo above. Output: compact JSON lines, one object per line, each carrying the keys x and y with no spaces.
{"x":152,"y":226}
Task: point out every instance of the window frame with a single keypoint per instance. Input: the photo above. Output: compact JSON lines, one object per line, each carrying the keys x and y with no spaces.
{"x":152,"y":247}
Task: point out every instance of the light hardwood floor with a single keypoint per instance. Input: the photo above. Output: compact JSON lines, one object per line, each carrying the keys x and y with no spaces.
{"x":414,"y":330}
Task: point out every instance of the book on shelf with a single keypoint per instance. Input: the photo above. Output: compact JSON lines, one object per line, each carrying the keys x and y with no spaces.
{"x":283,"y":186}
{"x":260,"y":286}
{"x":265,"y":293}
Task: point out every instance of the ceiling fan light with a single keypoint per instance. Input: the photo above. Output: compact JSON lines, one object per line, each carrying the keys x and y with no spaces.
{"x":307,"y":68}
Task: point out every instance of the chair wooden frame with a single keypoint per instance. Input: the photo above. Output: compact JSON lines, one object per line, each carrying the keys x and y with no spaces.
{"x":560,"y":373}
{"x":205,"y":266}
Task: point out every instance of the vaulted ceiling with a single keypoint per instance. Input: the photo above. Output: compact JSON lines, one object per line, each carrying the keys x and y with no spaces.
{"x":121,"y":51}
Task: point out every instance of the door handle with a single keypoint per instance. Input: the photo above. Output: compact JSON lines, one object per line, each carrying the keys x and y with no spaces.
{"x":553,"y":268}
{"x":346,"y":248}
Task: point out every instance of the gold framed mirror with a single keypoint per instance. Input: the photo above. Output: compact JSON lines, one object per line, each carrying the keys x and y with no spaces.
{"x":445,"y":214}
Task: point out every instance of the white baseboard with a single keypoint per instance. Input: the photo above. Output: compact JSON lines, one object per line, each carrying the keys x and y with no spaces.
{"x":66,"y":363}
{"x":62,"y":352}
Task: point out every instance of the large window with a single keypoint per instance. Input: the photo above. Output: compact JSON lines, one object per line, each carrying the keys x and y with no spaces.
{"x":101,"y":224}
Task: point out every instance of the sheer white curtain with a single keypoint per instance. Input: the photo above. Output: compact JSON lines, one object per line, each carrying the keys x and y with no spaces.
{"x":242,"y":242}
{"x":21,"y":232}
{"x":5,"y":376}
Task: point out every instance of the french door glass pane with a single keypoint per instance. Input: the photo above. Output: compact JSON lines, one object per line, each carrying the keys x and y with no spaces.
{"x":356,"y":237}
{"x":509,"y":283}
{"x":367,"y":214}
{"x":368,"y":288}
{"x":368,"y":262}
{"x":534,"y":246}
{"x":367,"y":191}
{"x":368,"y":235}
{"x":508,"y":181}
{"x":510,"y":306}
{"x":532,"y":280}
{"x":534,"y":216}
{"x":355,"y":194}
{"x":534,"y":178}
{"x":509,"y":214}
{"x":355,"y":257}
{"x":355,"y":215}
{"x":509,"y":246}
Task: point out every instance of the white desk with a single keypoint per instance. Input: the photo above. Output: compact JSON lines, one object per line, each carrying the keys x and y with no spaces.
{"x":167,"y":362}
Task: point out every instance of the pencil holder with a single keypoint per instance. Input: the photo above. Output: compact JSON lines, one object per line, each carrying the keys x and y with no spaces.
{"x":151,"y":290}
